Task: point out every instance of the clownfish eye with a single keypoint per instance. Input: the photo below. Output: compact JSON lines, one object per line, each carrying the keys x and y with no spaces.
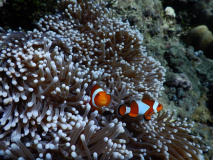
{"x":98,"y":94}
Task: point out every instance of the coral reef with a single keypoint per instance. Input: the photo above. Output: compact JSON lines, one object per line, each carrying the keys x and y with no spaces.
{"x":45,"y":79}
{"x":191,"y":13}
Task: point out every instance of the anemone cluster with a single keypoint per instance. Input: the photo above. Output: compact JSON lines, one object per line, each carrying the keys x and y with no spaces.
{"x":45,"y":79}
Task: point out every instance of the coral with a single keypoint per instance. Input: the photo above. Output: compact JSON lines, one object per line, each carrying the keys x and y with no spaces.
{"x":179,"y":80}
{"x":200,"y":37}
{"x":45,"y":79}
{"x":169,"y":11}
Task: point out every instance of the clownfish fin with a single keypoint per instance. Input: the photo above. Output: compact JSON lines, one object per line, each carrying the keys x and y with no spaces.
{"x":123,"y":109}
{"x":148,"y":101}
{"x":148,"y":115}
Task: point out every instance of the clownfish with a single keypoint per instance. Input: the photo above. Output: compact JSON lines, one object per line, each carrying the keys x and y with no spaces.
{"x":145,"y":107}
{"x":99,"y":98}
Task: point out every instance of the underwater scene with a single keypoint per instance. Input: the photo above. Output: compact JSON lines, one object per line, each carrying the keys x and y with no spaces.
{"x":106,"y":79}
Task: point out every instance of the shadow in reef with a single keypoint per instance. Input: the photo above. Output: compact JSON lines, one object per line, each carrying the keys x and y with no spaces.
{"x":210,"y":100}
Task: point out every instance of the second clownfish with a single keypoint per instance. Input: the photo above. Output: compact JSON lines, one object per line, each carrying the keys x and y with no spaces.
{"x":99,"y":98}
{"x":145,"y":107}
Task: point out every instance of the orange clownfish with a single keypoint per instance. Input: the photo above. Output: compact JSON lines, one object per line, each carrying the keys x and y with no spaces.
{"x":145,"y":107}
{"x":99,"y":98}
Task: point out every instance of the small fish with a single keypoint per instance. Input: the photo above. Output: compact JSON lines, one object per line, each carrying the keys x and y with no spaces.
{"x":99,"y":98}
{"x":145,"y":107}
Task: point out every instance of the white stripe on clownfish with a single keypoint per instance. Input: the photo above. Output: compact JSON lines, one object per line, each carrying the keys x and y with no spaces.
{"x":142,"y":106}
{"x":155,"y":105}
{"x":94,"y":94}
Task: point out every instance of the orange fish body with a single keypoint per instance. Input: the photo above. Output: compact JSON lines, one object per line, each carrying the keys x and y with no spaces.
{"x":145,"y":107}
{"x":99,"y":98}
